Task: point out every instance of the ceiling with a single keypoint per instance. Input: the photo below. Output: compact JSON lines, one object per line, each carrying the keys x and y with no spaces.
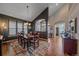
{"x":20,"y":10}
{"x":54,"y":7}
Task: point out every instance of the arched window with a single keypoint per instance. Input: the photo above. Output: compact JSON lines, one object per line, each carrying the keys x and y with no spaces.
{"x":40,"y":25}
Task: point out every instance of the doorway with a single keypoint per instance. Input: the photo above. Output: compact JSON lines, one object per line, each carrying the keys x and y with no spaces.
{"x":59,"y":29}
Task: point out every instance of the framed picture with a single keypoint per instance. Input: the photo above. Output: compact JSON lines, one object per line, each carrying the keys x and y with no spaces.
{"x":73,"y":25}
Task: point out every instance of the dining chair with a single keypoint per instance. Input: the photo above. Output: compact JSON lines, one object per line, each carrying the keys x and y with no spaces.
{"x":25,"y":44}
{"x":34,"y":42}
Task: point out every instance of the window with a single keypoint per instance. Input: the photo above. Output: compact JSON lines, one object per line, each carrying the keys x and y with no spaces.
{"x":43,"y":25}
{"x":25,"y":28}
{"x":15,"y":27}
{"x":37,"y":26}
{"x":19,"y":27}
{"x":40,"y":25}
{"x":12,"y":28}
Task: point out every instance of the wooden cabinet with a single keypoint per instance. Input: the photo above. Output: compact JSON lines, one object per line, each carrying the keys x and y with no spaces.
{"x":70,"y":46}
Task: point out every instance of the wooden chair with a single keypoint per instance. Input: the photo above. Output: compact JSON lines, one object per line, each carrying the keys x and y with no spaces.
{"x":18,"y":37}
{"x":25,"y":43}
{"x":34,"y":42}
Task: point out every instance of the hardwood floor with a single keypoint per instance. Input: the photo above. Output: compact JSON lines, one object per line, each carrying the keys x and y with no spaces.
{"x":7,"y":50}
{"x":55,"y":47}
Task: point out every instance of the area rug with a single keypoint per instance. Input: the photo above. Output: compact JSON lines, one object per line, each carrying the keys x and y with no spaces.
{"x":19,"y":51}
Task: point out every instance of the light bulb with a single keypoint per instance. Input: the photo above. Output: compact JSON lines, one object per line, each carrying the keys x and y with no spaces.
{"x":25,"y":23}
{"x":3,"y":24}
{"x":5,"y":27}
{"x":29,"y":24}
